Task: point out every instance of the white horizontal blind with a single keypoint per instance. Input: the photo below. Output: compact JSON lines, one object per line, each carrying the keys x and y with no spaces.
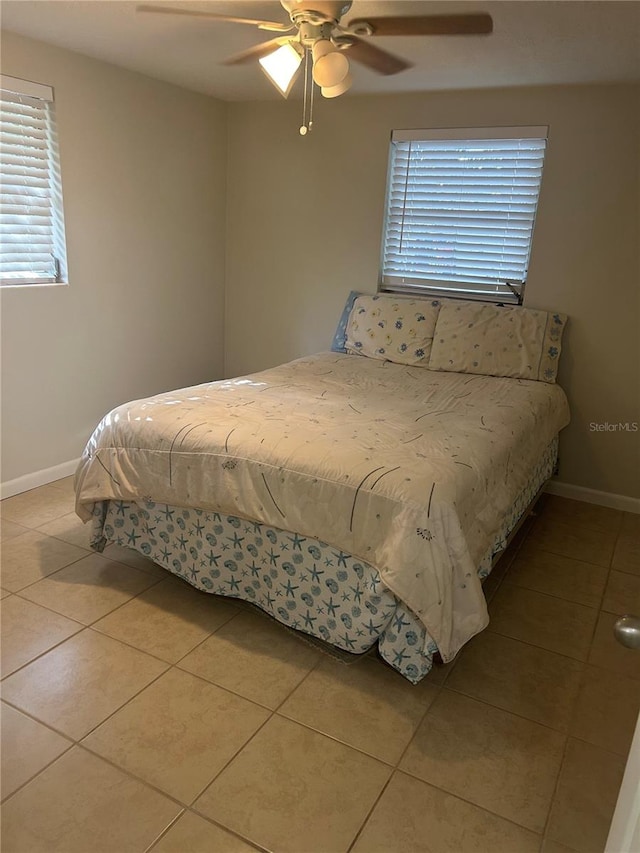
{"x":32,"y":244}
{"x":461,"y":207}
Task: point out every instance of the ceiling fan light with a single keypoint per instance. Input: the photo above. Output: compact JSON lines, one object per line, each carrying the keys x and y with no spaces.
{"x":331,"y":69}
{"x":281,"y":67}
{"x":340,"y":89}
{"x":330,"y":66}
{"x":321,"y":47}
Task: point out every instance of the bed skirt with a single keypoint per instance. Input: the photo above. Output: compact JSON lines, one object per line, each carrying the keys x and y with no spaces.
{"x":302,"y":582}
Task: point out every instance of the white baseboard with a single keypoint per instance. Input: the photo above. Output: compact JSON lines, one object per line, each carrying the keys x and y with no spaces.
{"x":38,"y":478}
{"x":593,"y":496}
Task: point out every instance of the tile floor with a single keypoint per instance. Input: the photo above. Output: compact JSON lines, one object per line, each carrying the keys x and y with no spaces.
{"x":141,"y":715}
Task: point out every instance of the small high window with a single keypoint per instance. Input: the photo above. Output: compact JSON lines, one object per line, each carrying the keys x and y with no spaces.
{"x":461,"y":206}
{"x":32,"y":241}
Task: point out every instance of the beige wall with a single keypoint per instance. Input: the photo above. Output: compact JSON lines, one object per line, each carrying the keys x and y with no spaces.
{"x":144,"y":177}
{"x":305,"y":217}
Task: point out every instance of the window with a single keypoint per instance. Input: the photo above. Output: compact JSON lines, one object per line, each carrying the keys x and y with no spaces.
{"x":32,"y":244}
{"x":460,"y":211}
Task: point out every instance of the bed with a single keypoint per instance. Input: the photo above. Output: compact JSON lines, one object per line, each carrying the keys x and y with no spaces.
{"x":357,"y":499}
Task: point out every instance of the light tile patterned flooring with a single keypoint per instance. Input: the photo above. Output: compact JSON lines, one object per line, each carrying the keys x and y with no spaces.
{"x":141,"y":715}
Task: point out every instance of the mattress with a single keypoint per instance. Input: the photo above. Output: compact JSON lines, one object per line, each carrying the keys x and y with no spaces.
{"x":410,"y":470}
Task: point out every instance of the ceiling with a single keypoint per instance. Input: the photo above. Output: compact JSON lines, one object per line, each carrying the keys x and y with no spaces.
{"x":535,"y":42}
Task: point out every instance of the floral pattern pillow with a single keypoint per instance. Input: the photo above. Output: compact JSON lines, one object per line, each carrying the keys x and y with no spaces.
{"x":392,"y":328}
{"x":473,"y":337}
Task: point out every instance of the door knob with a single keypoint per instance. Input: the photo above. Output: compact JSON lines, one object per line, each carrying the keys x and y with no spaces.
{"x":627,"y":631}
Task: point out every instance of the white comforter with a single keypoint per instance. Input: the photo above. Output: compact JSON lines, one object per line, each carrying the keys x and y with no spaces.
{"x":406,"y":468}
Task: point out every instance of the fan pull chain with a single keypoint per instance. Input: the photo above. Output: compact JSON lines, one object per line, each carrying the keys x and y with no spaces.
{"x":307,"y":123}
{"x":311,"y":100}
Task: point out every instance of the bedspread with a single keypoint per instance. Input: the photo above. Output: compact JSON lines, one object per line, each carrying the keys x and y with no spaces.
{"x":406,"y":468}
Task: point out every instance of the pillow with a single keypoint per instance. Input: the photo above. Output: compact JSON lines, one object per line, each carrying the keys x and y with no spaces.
{"x":392,"y":328}
{"x":473,"y":337}
{"x":340,"y":337}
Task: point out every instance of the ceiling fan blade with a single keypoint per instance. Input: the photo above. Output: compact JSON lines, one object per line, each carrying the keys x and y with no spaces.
{"x":375,"y":58}
{"x":256,"y":52}
{"x":425,"y":25}
{"x":273,"y":26}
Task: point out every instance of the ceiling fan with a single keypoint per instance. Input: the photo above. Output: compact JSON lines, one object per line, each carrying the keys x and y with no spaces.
{"x":315,"y":33}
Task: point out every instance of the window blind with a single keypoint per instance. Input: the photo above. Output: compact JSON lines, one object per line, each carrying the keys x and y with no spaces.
{"x":461,"y":206}
{"x":32,"y":244}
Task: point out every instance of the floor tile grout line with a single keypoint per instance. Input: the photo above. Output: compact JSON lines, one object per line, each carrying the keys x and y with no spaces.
{"x":29,"y":528}
{"x":475,"y":805}
{"x":603,"y":608}
{"x":93,"y":627}
{"x":509,"y":711}
{"x":240,"y":749}
{"x":558,"y":598}
{"x":188,"y":810}
{"x":610,"y":752}
{"x":255,"y":844}
{"x":162,"y":834}
{"x":86,"y":547}
{"x":126,"y":643}
{"x":623,"y":571}
{"x":371,"y":811}
{"x":616,"y":514}
{"x":335,"y":739}
{"x":40,"y":771}
{"x":569,"y":521}
{"x":183,"y":805}
{"x":574,"y":707}
{"x":32,"y":716}
{"x":126,"y":702}
{"x":418,"y":727}
{"x":232,"y":616}
{"x":400,"y":769}
{"x":397,"y":768}
{"x":222,"y":687}
{"x":600,"y":610}
{"x":131,"y":775}
{"x":60,"y":568}
{"x":393,"y":769}
{"x":83,"y":627}
{"x":545,"y":648}
{"x":63,"y":568}
{"x":9,"y":675}
{"x":545,"y":831}
{"x":517,"y":714}
{"x":80,"y":742}
{"x":23,"y":523}
{"x":75,"y":618}
{"x":553,"y":594}
{"x":522,"y":586}
{"x":299,"y":684}
{"x":584,"y":663}
{"x":490,"y":630}
{"x":542,"y":549}
{"x":186,"y":807}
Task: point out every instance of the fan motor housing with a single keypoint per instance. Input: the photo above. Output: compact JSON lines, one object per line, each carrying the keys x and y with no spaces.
{"x":316,"y":11}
